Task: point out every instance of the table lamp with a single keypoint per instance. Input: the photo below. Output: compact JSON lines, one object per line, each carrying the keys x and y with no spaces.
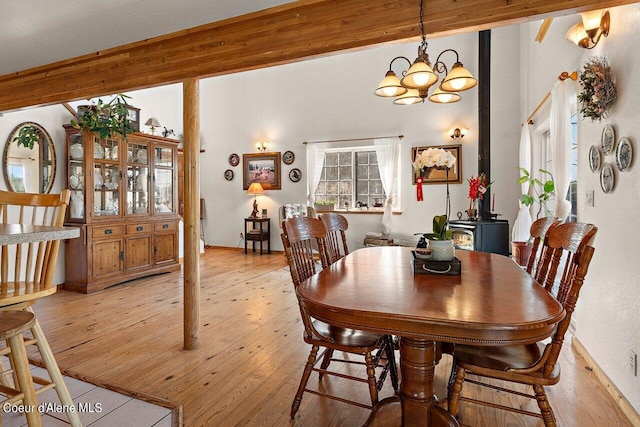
{"x":254,"y":189}
{"x":153,"y":123}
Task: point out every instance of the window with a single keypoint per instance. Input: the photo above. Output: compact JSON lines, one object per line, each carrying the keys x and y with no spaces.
{"x":339,"y":183}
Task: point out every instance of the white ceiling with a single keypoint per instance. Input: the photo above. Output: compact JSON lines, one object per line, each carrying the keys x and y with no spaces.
{"x":39,"y":32}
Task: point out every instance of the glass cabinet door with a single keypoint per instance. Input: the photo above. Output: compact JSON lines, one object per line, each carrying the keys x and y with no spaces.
{"x":163,"y":180}
{"x":106,"y":177}
{"x":137,"y":179}
{"x":76,"y":176}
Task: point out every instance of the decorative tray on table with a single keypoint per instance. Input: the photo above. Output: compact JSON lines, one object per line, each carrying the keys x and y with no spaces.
{"x":429,"y":266}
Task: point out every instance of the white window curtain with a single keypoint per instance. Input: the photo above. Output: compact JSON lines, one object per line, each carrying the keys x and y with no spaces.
{"x":522,"y":226}
{"x":563,"y":95}
{"x":315,"y":160}
{"x":387,"y":151}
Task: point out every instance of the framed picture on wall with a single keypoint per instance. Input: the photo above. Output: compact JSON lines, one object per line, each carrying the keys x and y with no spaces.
{"x":439,"y":175}
{"x":263,"y":168}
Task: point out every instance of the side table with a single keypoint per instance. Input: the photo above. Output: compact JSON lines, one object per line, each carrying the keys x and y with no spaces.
{"x":260,"y":234}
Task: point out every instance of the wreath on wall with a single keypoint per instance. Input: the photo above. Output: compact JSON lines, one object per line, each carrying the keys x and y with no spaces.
{"x":598,"y":89}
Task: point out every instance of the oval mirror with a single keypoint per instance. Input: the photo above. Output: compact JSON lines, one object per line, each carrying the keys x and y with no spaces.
{"x":29,"y":159}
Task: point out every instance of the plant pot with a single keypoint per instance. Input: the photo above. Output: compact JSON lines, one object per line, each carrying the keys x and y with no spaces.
{"x":442,"y":250}
{"x":520,"y":252}
{"x":321,"y":208}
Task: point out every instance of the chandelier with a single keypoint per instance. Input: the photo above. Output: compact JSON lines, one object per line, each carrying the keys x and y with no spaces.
{"x":420,"y":76}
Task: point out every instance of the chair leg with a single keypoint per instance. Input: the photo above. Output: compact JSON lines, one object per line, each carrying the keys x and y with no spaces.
{"x":391,"y":360}
{"x":454,"y":394}
{"x":5,"y":376}
{"x":24,"y":380}
{"x":545,"y":406}
{"x":452,"y":376}
{"x":326,"y":360}
{"x":303,"y":381}
{"x":371,"y":378}
{"x":54,"y":372}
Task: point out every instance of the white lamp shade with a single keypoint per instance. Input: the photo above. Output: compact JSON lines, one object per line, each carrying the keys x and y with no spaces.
{"x":419,"y":76}
{"x":458,"y":79}
{"x":576,"y":33}
{"x":591,"y":20}
{"x":411,"y":97}
{"x":390,"y":86}
{"x":441,"y":97}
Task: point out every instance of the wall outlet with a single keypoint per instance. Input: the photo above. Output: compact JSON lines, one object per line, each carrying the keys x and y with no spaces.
{"x":589,"y":198}
{"x":633,"y":363}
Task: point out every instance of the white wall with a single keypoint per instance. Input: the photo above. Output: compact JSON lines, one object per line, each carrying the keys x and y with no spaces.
{"x":607,"y":319}
{"x":51,"y":118}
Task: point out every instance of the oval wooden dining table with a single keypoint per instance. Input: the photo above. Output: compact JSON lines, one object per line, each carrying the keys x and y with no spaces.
{"x":492,"y":302}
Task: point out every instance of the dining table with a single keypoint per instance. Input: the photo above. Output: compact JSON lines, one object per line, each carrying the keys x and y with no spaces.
{"x":492,"y":302}
{"x":13,"y":234}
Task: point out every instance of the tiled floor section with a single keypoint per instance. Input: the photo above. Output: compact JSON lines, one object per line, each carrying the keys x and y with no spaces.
{"x":100,"y":408}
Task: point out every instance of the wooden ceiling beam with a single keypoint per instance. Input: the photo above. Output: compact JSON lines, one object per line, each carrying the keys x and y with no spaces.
{"x":288,"y":33}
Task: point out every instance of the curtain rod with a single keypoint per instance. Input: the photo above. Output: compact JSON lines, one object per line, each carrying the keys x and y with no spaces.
{"x":353,"y":139}
{"x":562,"y":77}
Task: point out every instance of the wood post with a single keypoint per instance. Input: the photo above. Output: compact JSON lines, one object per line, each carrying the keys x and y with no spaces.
{"x":191,"y":112}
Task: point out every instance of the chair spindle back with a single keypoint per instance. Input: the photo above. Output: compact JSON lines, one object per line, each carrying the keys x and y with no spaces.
{"x":539,"y":231}
{"x":336,"y":240}
{"x":298,"y":237}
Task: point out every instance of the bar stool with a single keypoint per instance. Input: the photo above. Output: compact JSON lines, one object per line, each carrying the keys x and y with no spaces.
{"x":12,"y":325}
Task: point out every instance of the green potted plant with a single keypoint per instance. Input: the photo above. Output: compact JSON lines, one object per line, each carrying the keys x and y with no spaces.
{"x":27,"y":136}
{"x":440,"y":241}
{"x":540,"y":193}
{"x":324,"y":205}
{"x":105,"y":118}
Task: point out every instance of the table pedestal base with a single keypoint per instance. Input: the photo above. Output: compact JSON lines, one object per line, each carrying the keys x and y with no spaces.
{"x":416,"y":405}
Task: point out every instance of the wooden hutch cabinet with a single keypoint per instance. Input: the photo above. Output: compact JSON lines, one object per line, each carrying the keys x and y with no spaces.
{"x":124,"y":200}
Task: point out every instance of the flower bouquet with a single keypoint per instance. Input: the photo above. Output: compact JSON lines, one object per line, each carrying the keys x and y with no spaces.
{"x":477,"y":187}
{"x":599,"y":89}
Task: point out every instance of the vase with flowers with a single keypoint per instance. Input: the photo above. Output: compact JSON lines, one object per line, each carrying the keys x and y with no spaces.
{"x":477,"y":187}
{"x":440,"y":241}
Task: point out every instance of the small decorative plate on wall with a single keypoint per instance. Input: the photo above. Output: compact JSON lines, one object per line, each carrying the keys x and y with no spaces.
{"x":234,"y":160}
{"x":295,"y":175}
{"x":608,"y":139}
{"x":624,"y":154}
{"x":595,"y":158}
{"x":288,"y":157}
{"x":228,"y":174}
{"x":607,"y":178}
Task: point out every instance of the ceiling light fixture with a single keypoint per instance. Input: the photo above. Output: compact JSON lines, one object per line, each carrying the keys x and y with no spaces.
{"x":587,"y":33}
{"x":420,"y":76}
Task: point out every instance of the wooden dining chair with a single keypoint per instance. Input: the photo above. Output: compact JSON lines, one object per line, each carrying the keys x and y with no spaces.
{"x":538,"y":232}
{"x":336,"y":239}
{"x":27,"y":274}
{"x":570,"y":250}
{"x":298,"y":237}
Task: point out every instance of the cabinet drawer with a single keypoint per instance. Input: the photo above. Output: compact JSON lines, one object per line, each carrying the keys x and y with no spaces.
{"x":166,"y":226}
{"x":107,"y":231}
{"x":139,"y":228}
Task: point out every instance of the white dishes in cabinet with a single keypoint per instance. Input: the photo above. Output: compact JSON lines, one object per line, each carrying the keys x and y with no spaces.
{"x":97,"y":181}
{"x":76,"y":151}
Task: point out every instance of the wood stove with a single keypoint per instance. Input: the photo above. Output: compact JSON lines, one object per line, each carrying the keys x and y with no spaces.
{"x":485,"y":236}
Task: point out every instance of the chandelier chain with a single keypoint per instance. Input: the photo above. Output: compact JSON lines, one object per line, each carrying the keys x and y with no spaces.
{"x":424,"y":37}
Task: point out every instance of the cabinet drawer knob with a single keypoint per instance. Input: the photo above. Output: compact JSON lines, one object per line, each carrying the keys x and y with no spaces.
{"x":139,"y":228}
{"x":165,"y":225}
{"x":108,"y":231}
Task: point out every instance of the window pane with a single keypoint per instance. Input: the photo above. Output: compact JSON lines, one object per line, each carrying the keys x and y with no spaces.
{"x":332,"y":188}
{"x":373,"y":158}
{"x":331,"y":159}
{"x":322,"y":188}
{"x":345,"y":158}
{"x":363,"y":188}
{"x":375,"y":187}
{"x":345,"y":172}
{"x":363,"y":172}
{"x":374,"y":172}
{"x":362,"y":158}
{"x":346,"y":187}
{"x":332,"y":174}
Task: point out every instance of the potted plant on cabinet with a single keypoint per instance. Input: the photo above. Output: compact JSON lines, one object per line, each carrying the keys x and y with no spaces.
{"x":541,"y":193}
{"x":105,"y":118}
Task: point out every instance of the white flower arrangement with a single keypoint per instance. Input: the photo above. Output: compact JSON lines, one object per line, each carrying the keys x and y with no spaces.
{"x":434,"y":157}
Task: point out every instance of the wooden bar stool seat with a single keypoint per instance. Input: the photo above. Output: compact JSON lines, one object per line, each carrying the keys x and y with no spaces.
{"x":12,"y":325}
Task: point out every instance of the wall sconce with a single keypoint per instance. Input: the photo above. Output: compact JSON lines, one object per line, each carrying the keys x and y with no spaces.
{"x":262,"y":145}
{"x":457,"y":133}
{"x":587,"y":33}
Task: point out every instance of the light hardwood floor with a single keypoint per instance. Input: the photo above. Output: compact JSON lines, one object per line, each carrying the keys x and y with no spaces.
{"x":248,"y":366}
